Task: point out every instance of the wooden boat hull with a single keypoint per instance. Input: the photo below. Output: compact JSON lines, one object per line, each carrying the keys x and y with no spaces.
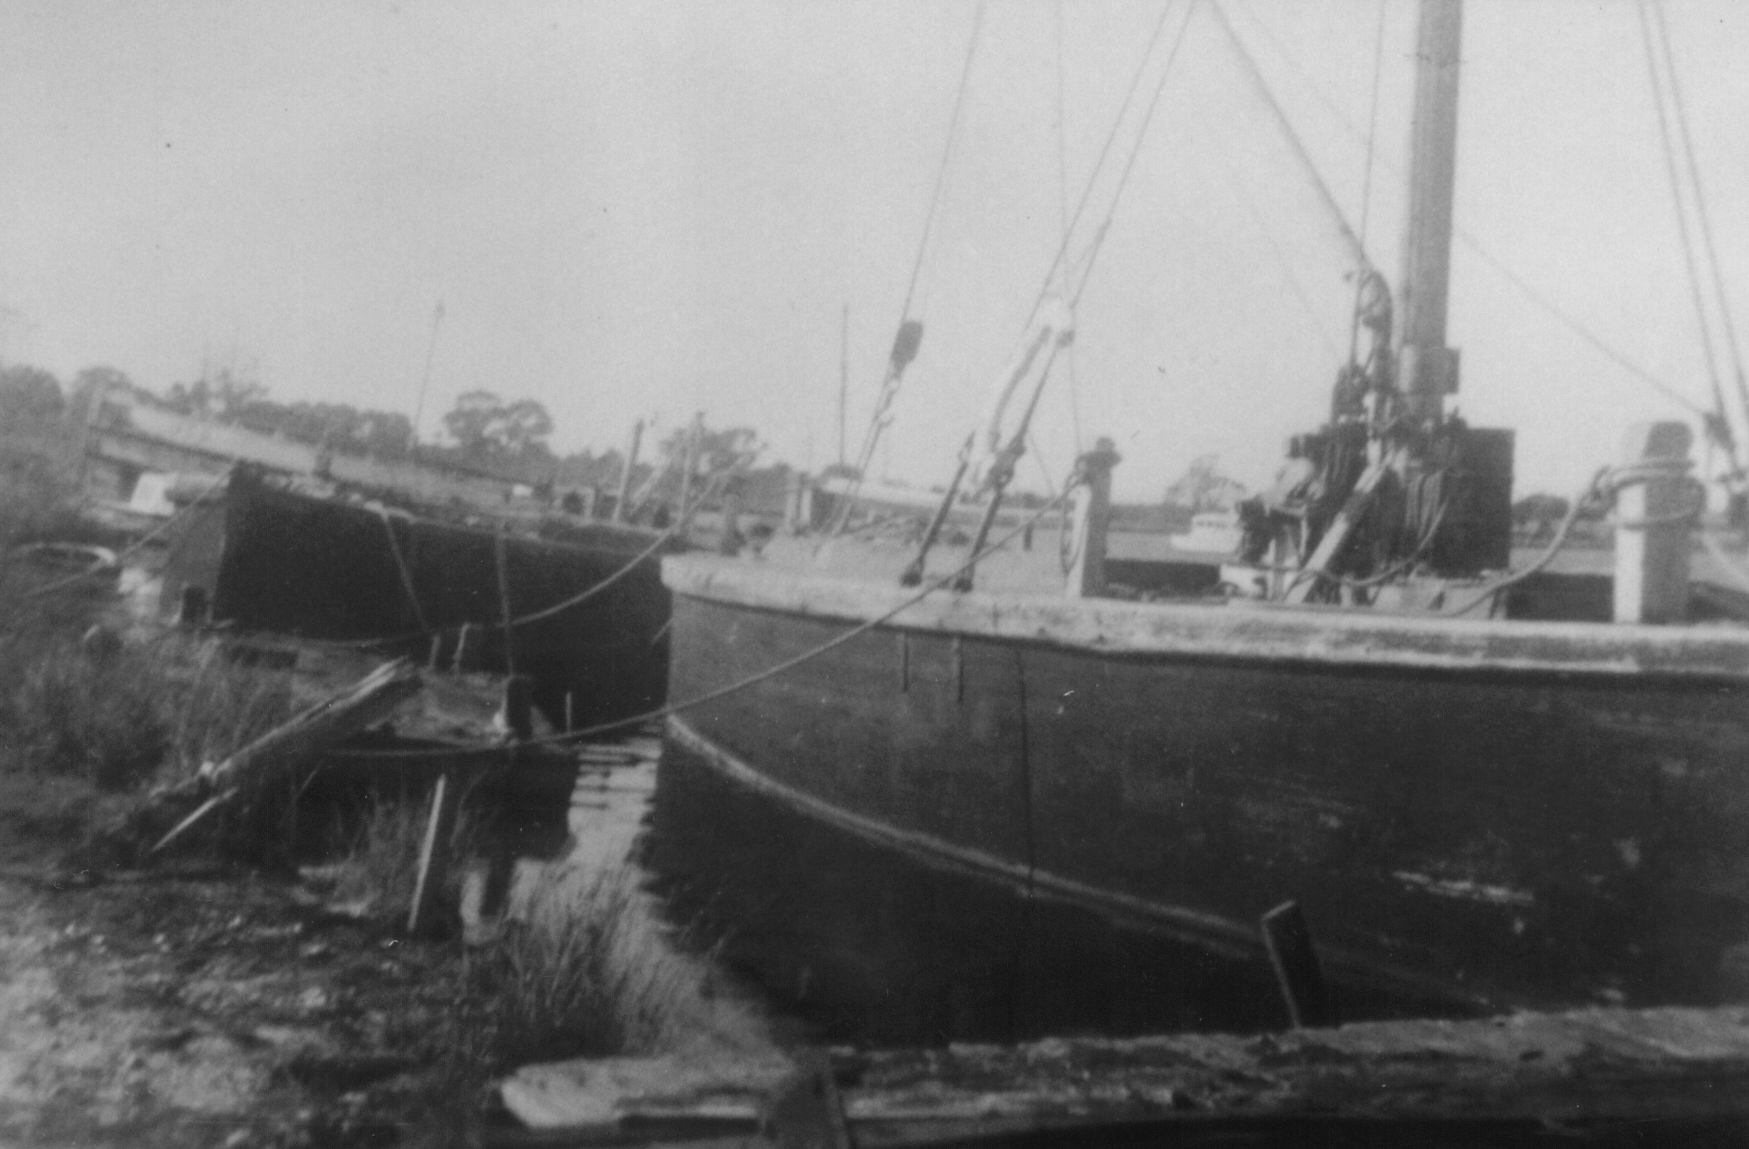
{"x":1494,"y":813}
{"x":268,"y":559}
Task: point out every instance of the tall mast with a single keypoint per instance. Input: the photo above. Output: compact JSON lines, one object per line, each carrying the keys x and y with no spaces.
{"x":1428,"y":368}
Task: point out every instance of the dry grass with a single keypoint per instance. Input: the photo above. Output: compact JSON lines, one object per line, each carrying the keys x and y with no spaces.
{"x":123,"y":717}
{"x":381,"y":869}
{"x":583,"y":970}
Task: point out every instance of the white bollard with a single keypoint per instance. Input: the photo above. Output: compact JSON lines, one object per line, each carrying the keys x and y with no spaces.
{"x":1654,"y":503}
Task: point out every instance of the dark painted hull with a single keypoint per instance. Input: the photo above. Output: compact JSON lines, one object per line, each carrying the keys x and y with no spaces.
{"x":268,"y":559}
{"x":1490,"y":830}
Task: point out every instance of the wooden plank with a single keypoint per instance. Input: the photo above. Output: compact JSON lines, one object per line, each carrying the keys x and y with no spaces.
{"x":434,"y":855}
{"x":293,"y":745}
{"x":1288,"y":939}
{"x":1672,"y":1064}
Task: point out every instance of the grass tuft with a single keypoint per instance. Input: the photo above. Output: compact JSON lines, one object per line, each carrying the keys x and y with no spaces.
{"x":381,"y":870}
{"x":582,"y":970}
{"x":121,"y":718}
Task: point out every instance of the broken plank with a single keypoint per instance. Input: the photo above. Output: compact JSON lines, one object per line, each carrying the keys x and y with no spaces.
{"x":1587,"y":1068}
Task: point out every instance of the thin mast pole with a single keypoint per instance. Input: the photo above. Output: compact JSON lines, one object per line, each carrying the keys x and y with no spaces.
{"x":843,"y":378}
{"x":425,"y":379}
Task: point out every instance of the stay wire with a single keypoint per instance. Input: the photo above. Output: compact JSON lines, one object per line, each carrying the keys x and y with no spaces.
{"x":1300,"y":294}
{"x":947,"y":149}
{"x":1099,"y":165}
{"x":1680,"y":106}
{"x":879,"y":418}
{"x":1372,"y":131}
{"x":1356,"y":250}
{"x":1670,"y":171}
{"x":1063,"y":215}
{"x":1135,"y":152}
{"x":1481,"y":250}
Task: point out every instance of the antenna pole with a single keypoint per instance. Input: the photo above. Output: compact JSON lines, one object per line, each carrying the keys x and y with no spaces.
{"x":843,"y":378}
{"x":425,"y":380}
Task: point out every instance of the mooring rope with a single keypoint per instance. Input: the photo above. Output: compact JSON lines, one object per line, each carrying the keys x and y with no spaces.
{"x":403,"y":570}
{"x":668,"y":710}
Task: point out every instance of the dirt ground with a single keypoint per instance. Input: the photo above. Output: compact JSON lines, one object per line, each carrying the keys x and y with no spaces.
{"x":196,"y":1004}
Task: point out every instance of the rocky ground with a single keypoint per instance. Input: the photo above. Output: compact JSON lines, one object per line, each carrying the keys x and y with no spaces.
{"x":197,"y":1004}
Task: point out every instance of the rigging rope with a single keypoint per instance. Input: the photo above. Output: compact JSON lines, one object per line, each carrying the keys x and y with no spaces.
{"x":1099,"y":163}
{"x":1356,"y":249}
{"x":1579,"y":329}
{"x":1063,"y":218}
{"x":1372,"y":128}
{"x":910,"y":334}
{"x":1123,"y":179}
{"x":1680,"y":107}
{"x":1300,"y":294}
{"x":662,"y":712}
{"x":1694,"y":286}
{"x":1475,"y":245}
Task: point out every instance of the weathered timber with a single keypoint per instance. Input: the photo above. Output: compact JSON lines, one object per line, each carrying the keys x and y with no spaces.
{"x":298,"y":743}
{"x":1565,"y":825}
{"x":1315,"y":638}
{"x":1595,"y":1071}
{"x":434,"y":854}
{"x":806,"y":1112}
{"x":1288,"y":938}
{"x":274,"y":559}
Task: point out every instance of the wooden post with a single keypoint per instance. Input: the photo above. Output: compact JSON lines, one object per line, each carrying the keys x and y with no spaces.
{"x":694,"y":441}
{"x":731,"y":540}
{"x":1654,"y":501}
{"x":501,"y":555}
{"x":434,"y":854}
{"x":1288,"y":939}
{"x":625,"y":475}
{"x":1091,"y":519}
{"x":519,"y":706}
{"x":192,"y":610}
{"x":570,"y":721}
{"x":464,"y":645}
{"x":806,"y":1111}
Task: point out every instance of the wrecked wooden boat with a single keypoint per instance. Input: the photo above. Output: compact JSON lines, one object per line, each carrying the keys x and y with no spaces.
{"x":1487,"y":782}
{"x":267,"y":554}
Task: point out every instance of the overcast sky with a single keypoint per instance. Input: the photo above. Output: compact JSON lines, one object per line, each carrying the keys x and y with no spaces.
{"x":646,"y":209}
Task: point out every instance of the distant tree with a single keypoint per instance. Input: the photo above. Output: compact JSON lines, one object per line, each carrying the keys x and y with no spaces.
{"x":30,"y":394}
{"x":1539,"y":508}
{"x":229,"y":394}
{"x":485,"y":427}
{"x":1203,"y":488}
{"x":729,"y":449}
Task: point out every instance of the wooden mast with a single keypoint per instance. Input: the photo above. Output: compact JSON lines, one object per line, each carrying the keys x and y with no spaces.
{"x":1428,"y":368}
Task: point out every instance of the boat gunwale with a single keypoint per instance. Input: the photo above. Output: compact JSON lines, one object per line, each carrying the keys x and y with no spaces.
{"x":1306,"y":636}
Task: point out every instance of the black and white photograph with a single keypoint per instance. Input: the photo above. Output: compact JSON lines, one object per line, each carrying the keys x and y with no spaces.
{"x":874,"y":574}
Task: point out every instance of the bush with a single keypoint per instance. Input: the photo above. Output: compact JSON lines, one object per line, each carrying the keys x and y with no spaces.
{"x":583,"y":970}
{"x":119,"y":717}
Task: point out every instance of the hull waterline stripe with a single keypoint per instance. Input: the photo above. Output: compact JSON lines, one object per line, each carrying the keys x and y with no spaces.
{"x":1208,"y":931}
